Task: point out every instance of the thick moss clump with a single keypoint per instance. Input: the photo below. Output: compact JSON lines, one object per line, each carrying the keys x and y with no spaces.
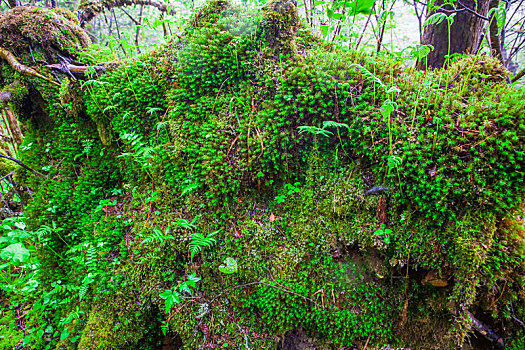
{"x":362,"y":202}
{"x":42,"y":33}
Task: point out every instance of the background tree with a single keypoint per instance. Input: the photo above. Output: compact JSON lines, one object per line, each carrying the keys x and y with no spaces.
{"x":466,"y":31}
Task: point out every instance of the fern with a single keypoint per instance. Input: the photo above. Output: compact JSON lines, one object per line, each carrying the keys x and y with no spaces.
{"x":435,"y":19}
{"x":369,"y":74}
{"x":184,"y":223}
{"x":198,"y":240}
{"x":332,"y":124}
{"x":157,"y":236}
{"x":91,"y":258}
{"x":500,"y":14}
{"x":90,"y":278}
{"x":189,"y":187}
{"x":314,"y":130}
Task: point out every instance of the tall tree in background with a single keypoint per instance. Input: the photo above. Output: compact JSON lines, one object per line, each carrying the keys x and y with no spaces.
{"x":465,"y":33}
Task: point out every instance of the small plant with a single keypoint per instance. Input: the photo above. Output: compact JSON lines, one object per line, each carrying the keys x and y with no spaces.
{"x":290,"y":189}
{"x":385,"y":232}
{"x":198,"y":240}
{"x":230,"y":266}
{"x":173,"y":295}
{"x":157,"y":236}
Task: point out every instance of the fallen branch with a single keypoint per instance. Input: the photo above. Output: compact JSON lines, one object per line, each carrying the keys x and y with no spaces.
{"x":78,"y":72}
{"x":23,"y":165}
{"x":22,"y":69}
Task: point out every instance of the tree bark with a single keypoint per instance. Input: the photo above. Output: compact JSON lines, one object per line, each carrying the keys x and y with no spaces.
{"x":465,"y":32}
{"x":495,"y":45}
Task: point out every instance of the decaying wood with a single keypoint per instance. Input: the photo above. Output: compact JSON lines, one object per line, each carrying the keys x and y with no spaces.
{"x":90,"y":9}
{"x":486,"y":331}
{"x":76,"y":71}
{"x":13,"y":126}
{"x":20,"y":68}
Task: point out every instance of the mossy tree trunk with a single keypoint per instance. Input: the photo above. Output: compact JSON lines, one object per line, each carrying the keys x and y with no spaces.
{"x":465,"y":33}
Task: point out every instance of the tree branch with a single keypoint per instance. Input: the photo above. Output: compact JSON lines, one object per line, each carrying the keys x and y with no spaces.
{"x":22,"y":69}
{"x":518,"y":76}
{"x":23,"y":165}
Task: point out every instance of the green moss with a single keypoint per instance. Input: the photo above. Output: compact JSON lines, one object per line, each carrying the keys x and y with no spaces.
{"x":10,"y":334}
{"x":47,"y":31}
{"x":280,"y":21}
{"x":120,"y":315}
{"x":207,"y":130}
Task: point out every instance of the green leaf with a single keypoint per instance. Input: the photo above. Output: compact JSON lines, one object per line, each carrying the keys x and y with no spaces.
{"x":185,"y":288}
{"x":435,"y":19}
{"x":360,"y":6}
{"x":192,"y":280}
{"x":64,"y":334}
{"x":324,"y":29}
{"x":171,"y":296}
{"x":230,"y":266}
{"x":386,"y":109}
{"x":16,"y":252}
{"x":383,"y":17}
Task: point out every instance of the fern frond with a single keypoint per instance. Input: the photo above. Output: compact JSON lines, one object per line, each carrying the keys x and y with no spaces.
{"x":91,"y":258}
{"x":313,"y":130}
{"x":198,"y":240}
{"x":157,"y":236}
{"x":332,"y":124}
{"x":369,"y":74}
{"x":190,"y":188}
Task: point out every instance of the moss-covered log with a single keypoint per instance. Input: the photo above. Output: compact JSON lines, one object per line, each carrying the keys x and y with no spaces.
{"x":339,"y":199}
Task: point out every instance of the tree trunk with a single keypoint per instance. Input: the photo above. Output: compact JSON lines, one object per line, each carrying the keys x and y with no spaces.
{"x":495,"y":45}
{"x":465,"y":32}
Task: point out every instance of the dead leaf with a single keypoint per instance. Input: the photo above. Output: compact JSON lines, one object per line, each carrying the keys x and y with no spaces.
{"x":272,"y":217}
{"x":433,"y":279}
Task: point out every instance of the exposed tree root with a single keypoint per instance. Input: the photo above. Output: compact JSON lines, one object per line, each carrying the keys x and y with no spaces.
{"x":13,"y":125}
{"x":22,"y":69}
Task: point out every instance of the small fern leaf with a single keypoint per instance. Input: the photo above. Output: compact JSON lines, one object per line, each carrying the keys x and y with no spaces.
{"x":198,"y":240}
{"x":369,"y":74}
{"x":333,"y":124}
